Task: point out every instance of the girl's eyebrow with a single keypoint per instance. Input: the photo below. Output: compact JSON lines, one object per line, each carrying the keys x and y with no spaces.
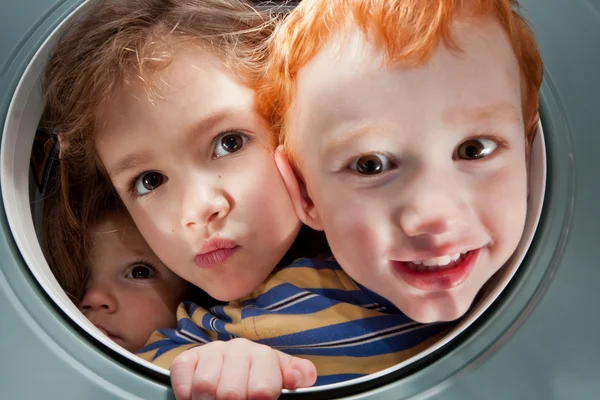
{"x":128,"y":162}
{"x":206,"y":123}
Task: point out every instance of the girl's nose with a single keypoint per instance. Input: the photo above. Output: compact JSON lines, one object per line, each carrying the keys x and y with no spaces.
{"x":203,"y":206}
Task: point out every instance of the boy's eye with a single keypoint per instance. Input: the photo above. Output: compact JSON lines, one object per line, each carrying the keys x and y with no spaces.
{"x":149,"y":182}
{"x":474,"y":149}
{"x":140,"y":272}
{"x":229,"y":143}
{"x":371,"y":164}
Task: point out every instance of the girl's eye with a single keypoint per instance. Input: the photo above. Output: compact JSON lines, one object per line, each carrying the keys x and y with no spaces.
{"x":229,"y":143}
{"x":371,"y":164}
{"x":474,"y":149}
{"x":140,"y":272}
{"x":149,"y":182}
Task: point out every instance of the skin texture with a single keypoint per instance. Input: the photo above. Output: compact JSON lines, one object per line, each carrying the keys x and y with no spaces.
{"x":130,"y":292}
{"x":419,"y":126}
{"x":238,"y":369}
{"x":204,"y":192}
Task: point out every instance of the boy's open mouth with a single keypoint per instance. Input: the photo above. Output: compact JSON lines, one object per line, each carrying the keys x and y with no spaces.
{"x":437,"y":273}
{"x":436,"y":263}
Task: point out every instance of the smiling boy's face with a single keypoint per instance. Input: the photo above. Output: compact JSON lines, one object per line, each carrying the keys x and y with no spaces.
{"x":417,"y":174}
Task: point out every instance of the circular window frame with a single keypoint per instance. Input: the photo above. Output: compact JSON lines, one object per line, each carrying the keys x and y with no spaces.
{"x":22,"y":120}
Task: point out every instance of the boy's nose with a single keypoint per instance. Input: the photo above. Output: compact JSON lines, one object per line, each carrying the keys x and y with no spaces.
{"x":98,"y":299}
{"x":422,"y":221}
{"x":433,"y":207}
{"x":203,"y":206}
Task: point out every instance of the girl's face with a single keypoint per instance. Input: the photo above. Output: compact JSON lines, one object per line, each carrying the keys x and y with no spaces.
{"x":130,"y":292}
{"x":195,"y":173}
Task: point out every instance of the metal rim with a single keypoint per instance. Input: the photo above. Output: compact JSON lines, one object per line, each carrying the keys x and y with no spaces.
{"x":23,"y":114}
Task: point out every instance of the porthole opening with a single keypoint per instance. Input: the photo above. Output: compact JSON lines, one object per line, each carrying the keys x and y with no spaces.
{"x":26,"y":154}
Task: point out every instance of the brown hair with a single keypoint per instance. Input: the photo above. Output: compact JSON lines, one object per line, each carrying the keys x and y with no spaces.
{"x":67,"y":245}
{"x":408,"y":31}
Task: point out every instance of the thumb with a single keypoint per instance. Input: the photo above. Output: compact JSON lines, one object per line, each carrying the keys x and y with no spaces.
{"x":182,"y":374}
{"x":296,"y":372}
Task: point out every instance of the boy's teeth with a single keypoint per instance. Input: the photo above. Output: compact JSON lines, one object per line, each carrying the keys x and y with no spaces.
{"x":441,"y":261}
{"x":434,"y":263}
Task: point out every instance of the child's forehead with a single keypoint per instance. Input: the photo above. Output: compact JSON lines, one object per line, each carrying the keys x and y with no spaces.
{"x":116,"y":235}
{"x":350,"y":41}
{"x":114,"y":222}
{"x":195,"y":79}
{"x":349,"y":69}
{"x":352,"y":53}
{"x":180,"y":66}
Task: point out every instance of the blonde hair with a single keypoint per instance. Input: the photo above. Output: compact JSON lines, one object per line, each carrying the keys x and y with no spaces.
{"x":110,"y":45}
{"x":408,"y":31}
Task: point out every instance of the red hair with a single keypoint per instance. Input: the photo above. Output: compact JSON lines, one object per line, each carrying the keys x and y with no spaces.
{"x":407,"y":30}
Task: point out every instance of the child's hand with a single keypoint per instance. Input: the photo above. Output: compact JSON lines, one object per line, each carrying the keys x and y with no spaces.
{"x":237,"y":369}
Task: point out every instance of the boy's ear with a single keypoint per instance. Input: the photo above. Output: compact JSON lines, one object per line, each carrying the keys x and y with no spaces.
{"x":297,"y":190}
{"x":530,"y":137}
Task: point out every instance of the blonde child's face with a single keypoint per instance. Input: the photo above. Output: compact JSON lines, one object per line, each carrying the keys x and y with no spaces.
{"x":130,"y":292}
{"x":417,"y":175}
{"x":193,"y":168}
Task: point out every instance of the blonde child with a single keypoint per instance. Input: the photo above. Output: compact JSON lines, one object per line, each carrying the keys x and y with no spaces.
{"x":116,"y":281}
{"x":406,"y":128}
{"x":129,"y":292}
{"x":158,"y":98}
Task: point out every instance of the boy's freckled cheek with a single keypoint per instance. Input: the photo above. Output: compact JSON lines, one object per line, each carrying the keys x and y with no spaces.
{"x":506,"y":193}
{"x":362,"y":237}
{"x":508,"y":184}
{"x":352,"y":227}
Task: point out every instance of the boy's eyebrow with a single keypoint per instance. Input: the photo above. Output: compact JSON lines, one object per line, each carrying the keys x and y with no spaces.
{"x":346,"y":134}
{"x":350,"y":132}
{"x":502,"y":111}
{"x":207,"y":123}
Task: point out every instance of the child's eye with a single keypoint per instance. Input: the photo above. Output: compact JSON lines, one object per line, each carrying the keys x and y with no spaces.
{"x":140,"y":271}
{"x":474,"y":149}
{"x":148,"y":182}
{"x":228,"y":143}
{"x":371,"y":164}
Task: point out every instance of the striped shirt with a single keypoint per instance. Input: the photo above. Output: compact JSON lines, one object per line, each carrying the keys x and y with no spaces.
{"x":310,"y":309}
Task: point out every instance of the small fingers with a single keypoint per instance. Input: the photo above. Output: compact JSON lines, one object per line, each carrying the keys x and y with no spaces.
{"x":182,"y":374}
{"x":234,"y":372}
{"x":208,"y":372}
{"x":265,"y":378}
{"x":238,"y":369}
{"x":296,"y":372}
